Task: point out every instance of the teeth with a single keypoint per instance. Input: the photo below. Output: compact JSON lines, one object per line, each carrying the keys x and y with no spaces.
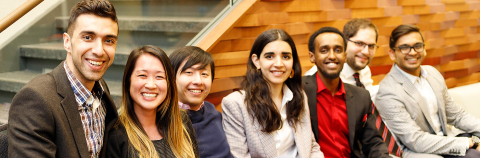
{"x":413,"y":59}
{"x":95,"y":63}
{"x":277,"y":72}
{"x":147,"y":95}
{"x":196,"y":91}
{"x":331,"y":64}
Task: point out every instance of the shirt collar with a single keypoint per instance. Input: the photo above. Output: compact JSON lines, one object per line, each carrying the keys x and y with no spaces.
{"x":410,"y":77}
{"x":187,"y":107}
{"x":347,"y":70}
{"x":321,"y":86}
{"x":79,"y":90}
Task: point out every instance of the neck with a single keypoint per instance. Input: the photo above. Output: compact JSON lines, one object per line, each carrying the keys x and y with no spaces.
{"x":195,"y":107}
{"x":415,"y":72}
{"x":331,"y":84}
{"x":276,"y":93}
{"x":146,"y":118}
{"x":87,"y":83}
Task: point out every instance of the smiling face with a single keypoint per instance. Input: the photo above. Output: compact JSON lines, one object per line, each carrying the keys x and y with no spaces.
{"x":358,"y":58}
{"x":148,"y":87}
{"x":410,"y":62}
{"x":91,"y":47}
{"x":194,"y":84}
{"x":275,"y":62}
{"x":329,"y":54}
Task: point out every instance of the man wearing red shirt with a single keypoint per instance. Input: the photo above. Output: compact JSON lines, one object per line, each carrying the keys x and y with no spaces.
{"x":341,"y":116}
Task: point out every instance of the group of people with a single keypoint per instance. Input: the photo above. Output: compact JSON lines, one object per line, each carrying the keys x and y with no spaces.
{"x":334,"y":111}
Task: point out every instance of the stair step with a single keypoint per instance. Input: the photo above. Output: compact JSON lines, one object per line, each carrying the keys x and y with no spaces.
{"x":154,"y":24}
{"x":55,"y":51}
{"x":14,"y":81}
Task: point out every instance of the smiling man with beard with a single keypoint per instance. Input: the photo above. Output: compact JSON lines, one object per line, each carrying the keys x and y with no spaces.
{"x":340,"y":114}
{"x":362,"y":36}
{"x":68,"y":112}
{"x":413,"y":100}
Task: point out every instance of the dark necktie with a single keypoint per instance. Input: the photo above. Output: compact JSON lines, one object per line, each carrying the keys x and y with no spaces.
{"x":382,"y":128}
{"x":357,"y":80}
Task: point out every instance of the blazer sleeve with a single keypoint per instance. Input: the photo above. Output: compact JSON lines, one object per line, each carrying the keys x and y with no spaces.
{"x":391,"y":107}
{"x":372,"y":142}
{"x":30,"y":126}
{"x":233,"y":125}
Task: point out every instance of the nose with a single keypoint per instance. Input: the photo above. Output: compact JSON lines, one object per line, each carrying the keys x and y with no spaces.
{"x":197,"y":79}
{"x":278,"y":61}
{"x":98,"y":48}
{"x":331,"y":55}
{"x":150,"y":83}
{"x":365,"y":49}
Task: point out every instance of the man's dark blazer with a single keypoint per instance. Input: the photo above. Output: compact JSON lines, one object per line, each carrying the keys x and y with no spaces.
{"x":362,"y":134}
{"x":44,"y":120}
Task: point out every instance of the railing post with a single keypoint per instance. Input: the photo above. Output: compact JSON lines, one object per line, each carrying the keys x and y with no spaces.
{"x":18,"y":13}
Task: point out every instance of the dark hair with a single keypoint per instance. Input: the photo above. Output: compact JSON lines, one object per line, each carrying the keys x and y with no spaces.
{"x":401,"y":31}
{"x":311,"y":42}
{"x":194,"y":55}
{"x":102,"y":8}
{"x":260,"y":104}
{"x":171,"y":99}
{"x":351,"y":27}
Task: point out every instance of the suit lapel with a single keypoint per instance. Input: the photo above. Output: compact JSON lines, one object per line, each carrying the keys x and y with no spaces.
{"x":415,"y":94}
{"x":351,"y":111}
{"x":267,"y":140}
{"x":310,"y":87}
{"x":436,"y":87}
{"x":70,"y":108}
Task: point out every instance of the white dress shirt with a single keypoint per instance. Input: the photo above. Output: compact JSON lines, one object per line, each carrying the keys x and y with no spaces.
{"x":285,"y":137}
{"x":422,"y":85}
{"x":346,"y":75}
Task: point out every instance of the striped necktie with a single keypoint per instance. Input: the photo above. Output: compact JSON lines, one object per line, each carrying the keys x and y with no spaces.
{"x":383,"y":129}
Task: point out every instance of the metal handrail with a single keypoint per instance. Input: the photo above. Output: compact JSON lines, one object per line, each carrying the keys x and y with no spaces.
{"x":18,"y":13}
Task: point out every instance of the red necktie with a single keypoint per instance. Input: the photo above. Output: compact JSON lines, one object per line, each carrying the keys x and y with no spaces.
{"x":357,"y":80}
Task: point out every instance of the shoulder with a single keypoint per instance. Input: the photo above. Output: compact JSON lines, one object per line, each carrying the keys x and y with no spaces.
{"x":236,"y":97}
{"x":210,"y":108}
{"x":432,"y":70}
{"x":356,"y":91}
{"x":118,"y":132}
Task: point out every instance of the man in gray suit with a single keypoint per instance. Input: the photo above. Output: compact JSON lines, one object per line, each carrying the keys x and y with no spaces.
{"x":68,"y":112}
{"x":414,"y":102}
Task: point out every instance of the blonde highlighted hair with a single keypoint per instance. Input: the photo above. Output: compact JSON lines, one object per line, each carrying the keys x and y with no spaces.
{"x":168,"y":119}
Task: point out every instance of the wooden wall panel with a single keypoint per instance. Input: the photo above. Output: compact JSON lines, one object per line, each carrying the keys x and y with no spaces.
{"x":451,"y":30}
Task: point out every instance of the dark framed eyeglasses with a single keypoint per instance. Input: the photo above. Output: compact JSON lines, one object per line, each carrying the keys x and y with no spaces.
{"x":362,"y":45}
{"x":405,"y":49}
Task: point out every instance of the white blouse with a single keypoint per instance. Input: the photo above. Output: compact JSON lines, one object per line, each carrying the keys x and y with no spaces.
{"x":285,"y":137}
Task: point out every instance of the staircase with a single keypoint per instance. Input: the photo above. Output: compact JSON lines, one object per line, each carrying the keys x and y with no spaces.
{"x":168,"y":24}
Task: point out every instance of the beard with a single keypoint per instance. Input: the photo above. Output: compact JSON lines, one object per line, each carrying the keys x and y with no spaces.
{"x":330,"y":75}
{"x":351,"y":62}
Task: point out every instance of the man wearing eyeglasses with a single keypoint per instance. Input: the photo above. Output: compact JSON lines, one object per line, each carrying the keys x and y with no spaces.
{"x":362,"y":36}
{"x":414,"y":102}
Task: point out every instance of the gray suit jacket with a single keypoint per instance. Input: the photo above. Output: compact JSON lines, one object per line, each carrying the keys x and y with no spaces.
{"x":44,"y":120}
{"x":407,"y":115}
{"x":246,"y":138}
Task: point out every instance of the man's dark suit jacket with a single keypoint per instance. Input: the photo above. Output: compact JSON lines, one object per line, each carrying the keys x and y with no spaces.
{"x":364,"y":136}
{"x":44,"y":120}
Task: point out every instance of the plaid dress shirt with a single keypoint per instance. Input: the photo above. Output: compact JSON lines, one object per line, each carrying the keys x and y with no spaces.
{"x":92,"y":112}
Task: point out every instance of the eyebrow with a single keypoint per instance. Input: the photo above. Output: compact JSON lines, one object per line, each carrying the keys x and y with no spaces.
{"x":328,"y":46}
{"x":147,"y":71}
{"x":269,"y":53}
{"x":93,"y":33}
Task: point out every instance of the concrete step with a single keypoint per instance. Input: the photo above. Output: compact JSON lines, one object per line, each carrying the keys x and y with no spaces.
{"x":14,"y":81}
{"x":153,"y":24}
